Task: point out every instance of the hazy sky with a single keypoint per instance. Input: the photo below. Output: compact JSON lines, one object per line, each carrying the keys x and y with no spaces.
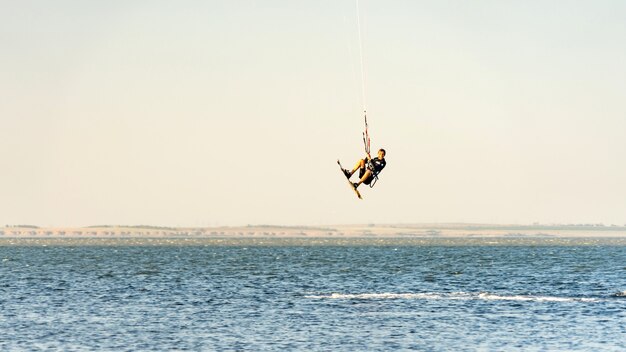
{"x":198,"y":113}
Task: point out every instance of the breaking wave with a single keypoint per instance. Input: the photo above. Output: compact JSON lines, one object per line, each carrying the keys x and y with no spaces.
{"x":453,"y":296}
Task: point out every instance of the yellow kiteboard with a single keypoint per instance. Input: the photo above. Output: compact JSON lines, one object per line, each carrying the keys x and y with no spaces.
{"x":349,"y":182}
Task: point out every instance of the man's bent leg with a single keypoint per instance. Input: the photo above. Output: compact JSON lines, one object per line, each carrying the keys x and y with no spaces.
{"x":359,"y":165}
{"x":365,"y":176}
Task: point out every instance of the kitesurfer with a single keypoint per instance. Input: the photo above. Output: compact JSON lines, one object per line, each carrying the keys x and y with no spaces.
{"x":368,"y":168}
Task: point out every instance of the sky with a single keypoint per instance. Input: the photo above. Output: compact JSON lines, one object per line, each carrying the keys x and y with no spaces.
{"x":233,"y":112}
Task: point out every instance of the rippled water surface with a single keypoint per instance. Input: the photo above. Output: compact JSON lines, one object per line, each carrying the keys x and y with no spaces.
{"x":313,"y":294}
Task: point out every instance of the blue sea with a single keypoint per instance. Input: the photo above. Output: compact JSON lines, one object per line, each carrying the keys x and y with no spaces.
{"x":306,"y":294}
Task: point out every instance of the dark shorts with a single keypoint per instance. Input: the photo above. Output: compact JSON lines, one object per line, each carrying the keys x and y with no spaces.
{"x":362,"y":172}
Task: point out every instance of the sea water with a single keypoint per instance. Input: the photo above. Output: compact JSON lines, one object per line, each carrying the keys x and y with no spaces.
{"x":313,"y":294}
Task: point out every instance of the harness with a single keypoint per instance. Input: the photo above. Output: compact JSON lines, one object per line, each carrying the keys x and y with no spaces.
{"x":370,"y":166}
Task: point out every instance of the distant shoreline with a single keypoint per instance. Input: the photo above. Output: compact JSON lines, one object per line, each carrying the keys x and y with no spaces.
{"x":338,"y":231}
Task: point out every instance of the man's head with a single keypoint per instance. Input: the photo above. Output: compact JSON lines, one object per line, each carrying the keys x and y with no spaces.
{"x":381,"y":153}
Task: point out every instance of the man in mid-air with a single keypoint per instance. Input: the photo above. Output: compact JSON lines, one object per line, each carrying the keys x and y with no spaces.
{"x":368,"y":168}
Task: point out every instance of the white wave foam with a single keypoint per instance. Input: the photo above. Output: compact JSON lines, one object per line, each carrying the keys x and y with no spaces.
{"x":488,"y":296}
{"x":378,"y":296}
{"x":452,"y":296}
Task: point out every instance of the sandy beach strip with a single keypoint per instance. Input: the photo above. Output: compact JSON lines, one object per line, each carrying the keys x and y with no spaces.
{"x":370,"y":230}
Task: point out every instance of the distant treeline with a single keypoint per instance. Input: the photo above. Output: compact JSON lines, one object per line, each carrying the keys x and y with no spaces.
{"x":142,"y":227}
{"x":23,"y":226}
{"x":594,"y":227}
{"x":313,"y":228}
